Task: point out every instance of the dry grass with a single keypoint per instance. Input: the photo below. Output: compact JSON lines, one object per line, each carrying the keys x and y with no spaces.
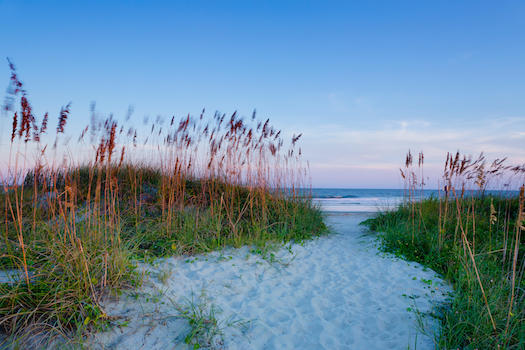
{"x":77,"y":214}
{"x":473,"y":236}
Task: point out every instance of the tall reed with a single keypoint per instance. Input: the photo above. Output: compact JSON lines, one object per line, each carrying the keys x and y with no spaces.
{"x":472,"y":235}
{"x":77,"y":215}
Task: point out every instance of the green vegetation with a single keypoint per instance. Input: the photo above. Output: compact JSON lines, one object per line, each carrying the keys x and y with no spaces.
{"x":73,"y":226}
{"x":474,"y":240}
{"x":206,"y":330}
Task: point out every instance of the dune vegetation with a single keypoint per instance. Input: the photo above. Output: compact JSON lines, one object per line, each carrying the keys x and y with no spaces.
{"x":472,"y":236}
{"x":79,"y":213}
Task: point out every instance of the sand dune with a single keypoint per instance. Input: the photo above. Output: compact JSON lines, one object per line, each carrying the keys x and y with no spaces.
{"x":335,"y":292}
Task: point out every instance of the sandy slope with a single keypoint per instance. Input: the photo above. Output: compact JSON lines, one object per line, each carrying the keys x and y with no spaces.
{"x":337,"y":292}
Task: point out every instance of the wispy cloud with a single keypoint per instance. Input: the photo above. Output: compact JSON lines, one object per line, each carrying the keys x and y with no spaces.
{"x":334,"y":149}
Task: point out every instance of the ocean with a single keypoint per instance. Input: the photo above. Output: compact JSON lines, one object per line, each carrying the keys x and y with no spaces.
{"x":346,"y":200}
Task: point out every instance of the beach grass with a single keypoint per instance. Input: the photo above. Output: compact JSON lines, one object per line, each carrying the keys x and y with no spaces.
{"x":471,"y":236}
{"x":206,"y":329}
{"x":77,"y":216}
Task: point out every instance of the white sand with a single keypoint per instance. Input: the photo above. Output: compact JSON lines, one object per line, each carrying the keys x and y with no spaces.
{"x":338,"y":292}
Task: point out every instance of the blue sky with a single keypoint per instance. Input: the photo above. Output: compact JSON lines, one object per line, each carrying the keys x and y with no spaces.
{"x":364,"y":81}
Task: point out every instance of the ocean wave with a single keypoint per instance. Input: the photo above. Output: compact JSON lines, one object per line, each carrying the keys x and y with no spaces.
{"x":329,"y":196}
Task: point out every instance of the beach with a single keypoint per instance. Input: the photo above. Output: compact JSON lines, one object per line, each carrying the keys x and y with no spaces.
{"x":262,"y":175}
{"x":333,"y":292}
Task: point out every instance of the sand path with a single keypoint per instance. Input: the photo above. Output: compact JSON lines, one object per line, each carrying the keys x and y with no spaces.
{"x":334,"y":292}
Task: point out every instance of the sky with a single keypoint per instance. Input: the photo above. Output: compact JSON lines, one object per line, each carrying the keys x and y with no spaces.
{"x":363,"y":81}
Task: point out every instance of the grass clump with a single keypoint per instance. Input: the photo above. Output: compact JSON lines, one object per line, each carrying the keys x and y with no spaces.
{"x":206,"y":330}
{"x":473,"y":237}
{"x":73,"y":225}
